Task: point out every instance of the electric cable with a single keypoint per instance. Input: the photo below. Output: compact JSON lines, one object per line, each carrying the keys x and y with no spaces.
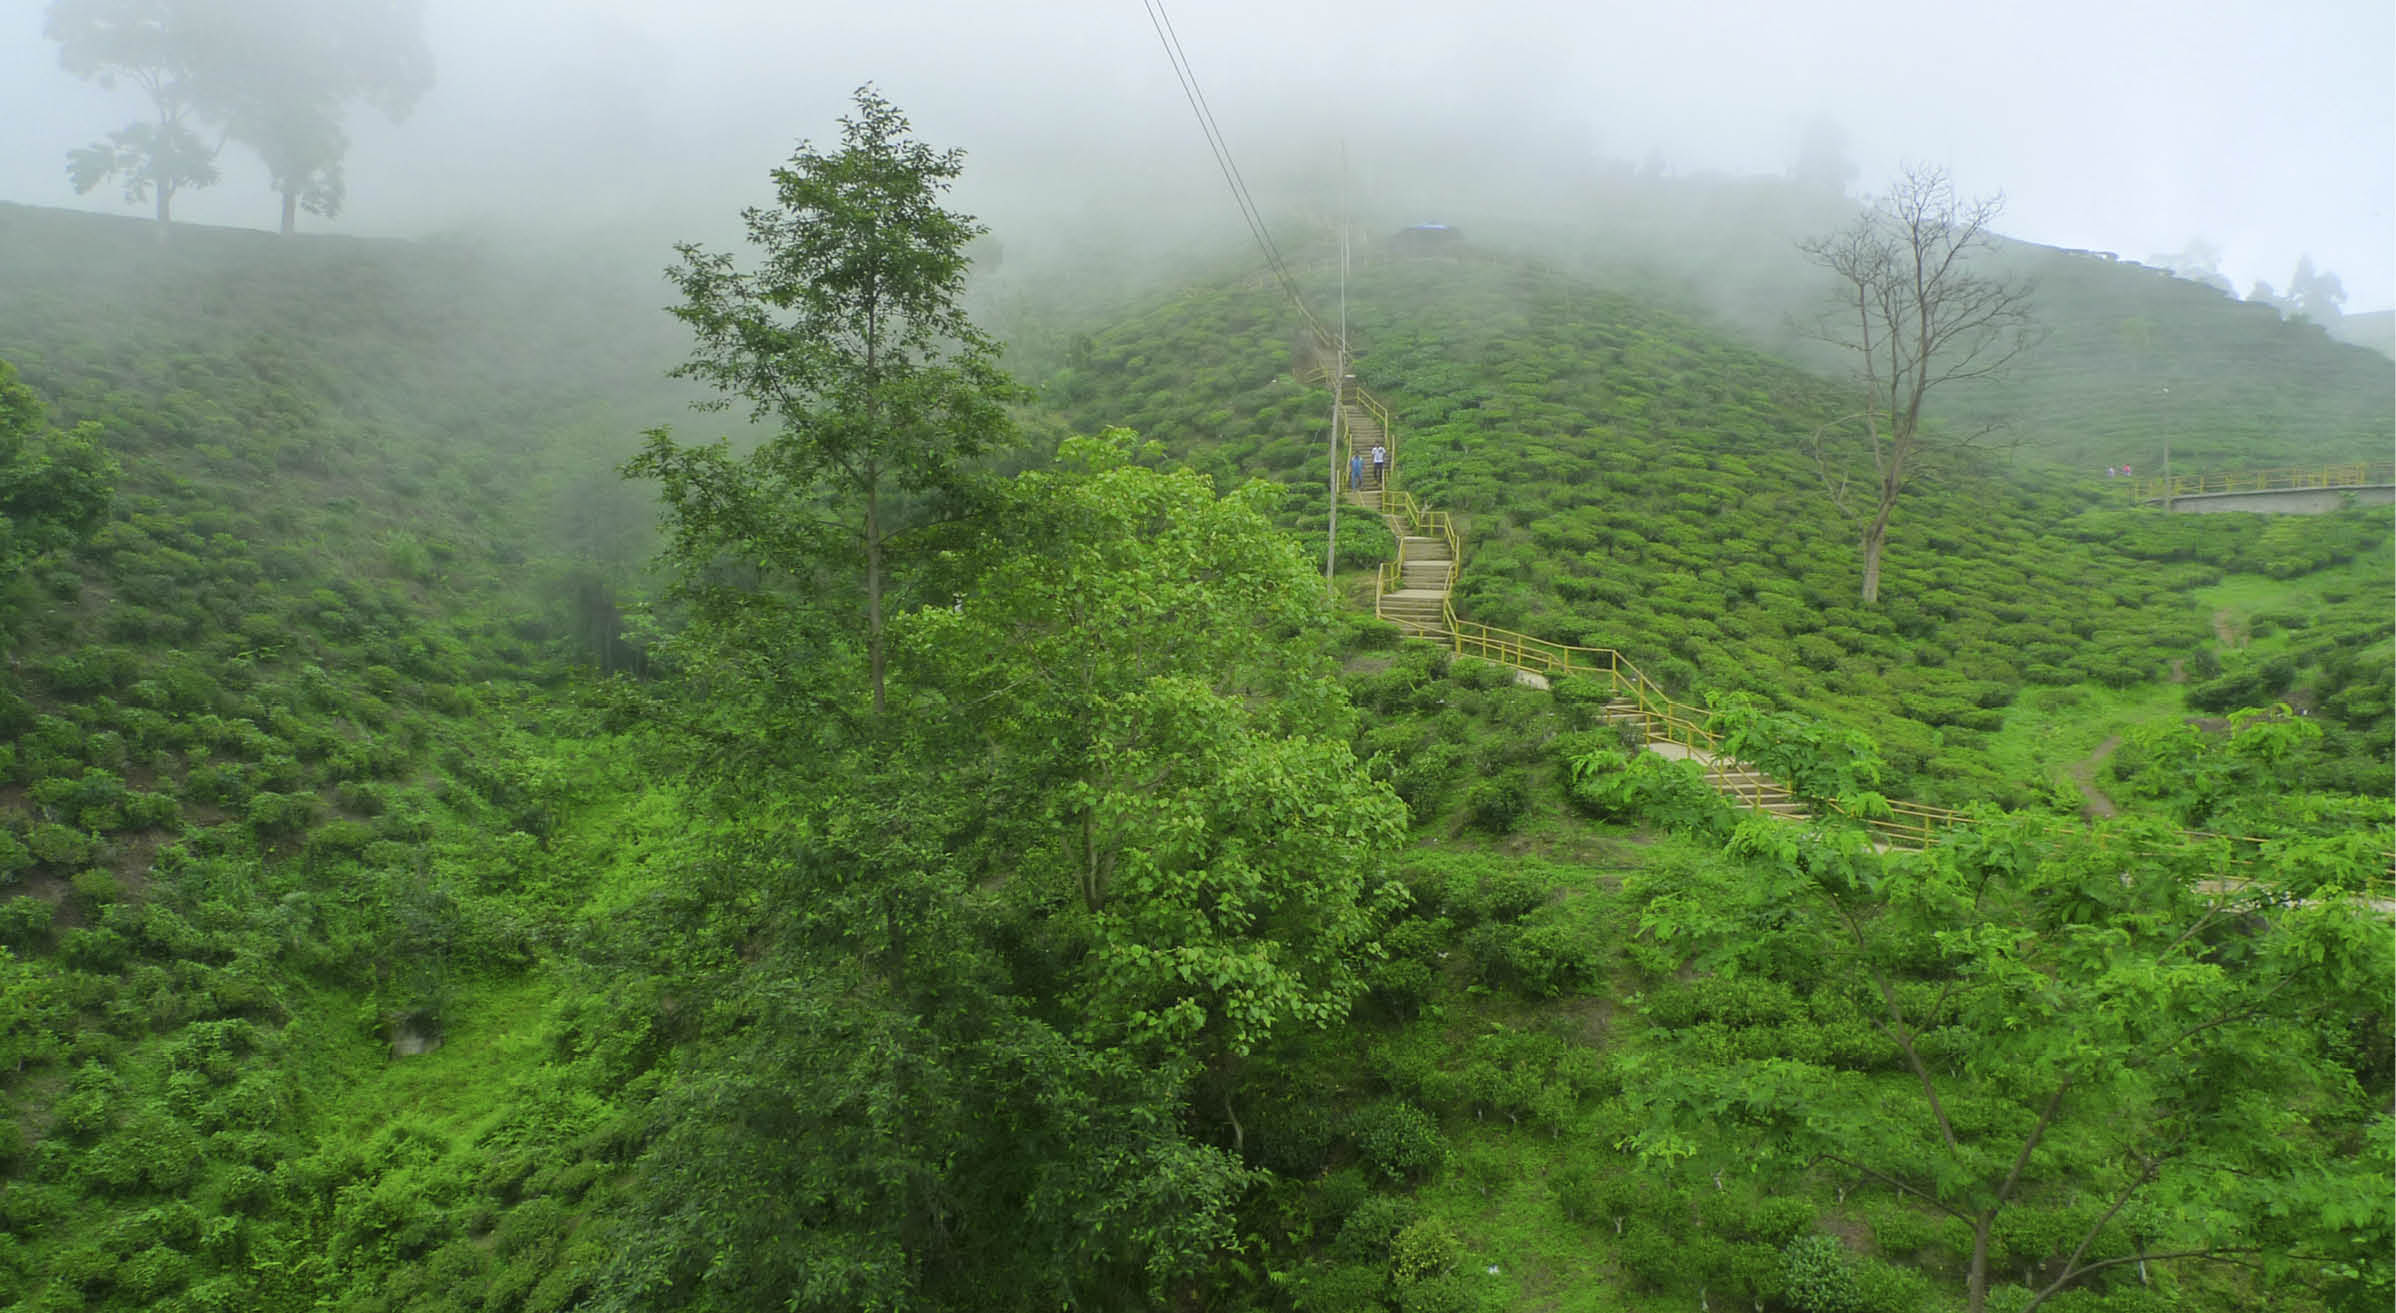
{"x":1250,"y":213}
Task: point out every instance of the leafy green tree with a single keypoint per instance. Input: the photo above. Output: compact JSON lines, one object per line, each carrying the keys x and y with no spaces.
{"x":1145,"y":662}
{"x":1917,"y":318}
{"x":2088,"y":1055}
{"x":297,"y":66}
{"x":168,"y":48}
{"x":848,"y":340}
{"x":273,"y":74}
{"x":2317,"y":294}
{"x":963,"y":977}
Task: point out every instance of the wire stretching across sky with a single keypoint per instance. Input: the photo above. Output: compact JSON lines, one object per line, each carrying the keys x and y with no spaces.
{"x":1165,"y":34}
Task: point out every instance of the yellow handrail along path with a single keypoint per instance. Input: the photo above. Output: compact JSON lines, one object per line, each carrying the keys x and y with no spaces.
{"x":2359,"y":474}
{"x":1414,"y":593}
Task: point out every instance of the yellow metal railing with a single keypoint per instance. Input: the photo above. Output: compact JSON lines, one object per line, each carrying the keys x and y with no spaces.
{"x":1351,"y":394}
{"x":2359,"y":474}
{"x":1416,"y":521}
{"x":1413,"y":519}
{"x":1907,"y":824}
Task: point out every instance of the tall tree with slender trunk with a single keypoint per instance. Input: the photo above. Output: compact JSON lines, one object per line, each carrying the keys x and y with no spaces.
{"x":1917,"y":318}
{"x":165,"y":47}
{"x":276,"y":75}
{"x":847,"y":339}
{"x":297,"y":67}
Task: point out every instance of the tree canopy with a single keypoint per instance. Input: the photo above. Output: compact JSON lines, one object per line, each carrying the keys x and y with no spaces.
{"x":848,"y":339}
{"x":2088,"y":1052}
{"x":276,"y":75}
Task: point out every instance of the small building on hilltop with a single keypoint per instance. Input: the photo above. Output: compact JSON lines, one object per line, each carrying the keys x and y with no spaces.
{"x":1426,"y":239}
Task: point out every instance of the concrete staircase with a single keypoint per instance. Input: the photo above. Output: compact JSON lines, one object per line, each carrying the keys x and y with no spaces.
{"x":1745,"y":784}
{"x":1426,"y":566}
{"x":1425,"y":574}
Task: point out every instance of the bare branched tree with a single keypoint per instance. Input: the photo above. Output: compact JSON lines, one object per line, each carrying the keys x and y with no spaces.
{"x":1916,"y":318}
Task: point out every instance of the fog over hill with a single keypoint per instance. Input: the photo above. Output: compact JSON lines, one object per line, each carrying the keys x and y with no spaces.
{"x":2262,"y":128}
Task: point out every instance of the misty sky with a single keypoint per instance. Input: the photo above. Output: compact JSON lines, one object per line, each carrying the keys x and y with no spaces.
{"x":2267,"y":127}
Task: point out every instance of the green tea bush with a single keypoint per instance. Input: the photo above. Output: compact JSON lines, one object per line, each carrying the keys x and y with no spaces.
{"x":87,"y":949}
{"x":1899,"y":1232}
{"x":281,"y":813}
{"x":1548,"y":960}
{"x":1452,"y":1293}
{"x":1819,"y":1276}
{"x":1398,"y":1140}
{"x":1423,"y":1249}
{"x":94,"y":889}
{"x":55,"y":845}
{"x":1488,"y":888}
{"x":1366,"y":1235}
{"x":25,"y":922}
{"x":1341,"y":1288}
{"x":1421,"y":778}
{"x":1496,"y":805}
{"x":14,"y":857}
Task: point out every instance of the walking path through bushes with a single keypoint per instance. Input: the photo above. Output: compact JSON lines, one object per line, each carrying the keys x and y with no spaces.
{"x":1415,"y":592}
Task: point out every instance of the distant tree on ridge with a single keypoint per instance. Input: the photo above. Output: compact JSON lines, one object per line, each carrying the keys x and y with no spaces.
{"x":276,"y":75}
{"x":1916,"y":318}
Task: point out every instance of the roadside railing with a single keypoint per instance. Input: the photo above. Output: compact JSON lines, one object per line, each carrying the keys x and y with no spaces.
{"x":2357,"y":474}
{"x":1907,"y":824}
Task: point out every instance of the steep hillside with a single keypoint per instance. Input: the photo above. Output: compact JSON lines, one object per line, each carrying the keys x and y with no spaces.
{"x":1626,"y":478}
{"x":2375,"y":329}
{"x":266,"y":797}
{"x":2246,"y":389}
{"x":1179,"y":938}
{"x":2134,"y":359}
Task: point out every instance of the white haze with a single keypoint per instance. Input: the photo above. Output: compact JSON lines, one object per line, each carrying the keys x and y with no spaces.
{"x":2265,"y":127}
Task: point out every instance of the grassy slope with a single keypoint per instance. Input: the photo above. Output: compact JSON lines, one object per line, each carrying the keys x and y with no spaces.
{"x":2135,"y":358}
{"x":511,"y":829}
{"x":2247,"y":390}
{"x":271,"y":727}
{"x":1626,"y":478}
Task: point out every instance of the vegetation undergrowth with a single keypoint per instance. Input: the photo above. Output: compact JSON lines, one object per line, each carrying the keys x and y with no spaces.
{"x":380,"y":928}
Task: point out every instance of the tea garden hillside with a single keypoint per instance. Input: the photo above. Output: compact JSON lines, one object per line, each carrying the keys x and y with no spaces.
{"x":423,"y":893}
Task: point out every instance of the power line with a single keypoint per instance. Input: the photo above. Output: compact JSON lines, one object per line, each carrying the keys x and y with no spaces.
{"x":1207,"y":113}
{"x":1232,"y":178}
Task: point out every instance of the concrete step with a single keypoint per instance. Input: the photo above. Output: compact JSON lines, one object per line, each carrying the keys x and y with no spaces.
{"x":1415,"y":602}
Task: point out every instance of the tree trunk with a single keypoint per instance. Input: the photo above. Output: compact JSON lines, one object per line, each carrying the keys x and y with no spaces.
{"x":290,"y":212}
{"x":1876,"y":536}
{"x":1975,"y":1289}
{"x":166,"y":210}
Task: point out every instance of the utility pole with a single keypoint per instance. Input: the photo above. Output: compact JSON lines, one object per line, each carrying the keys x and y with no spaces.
{"x":1339,"y":378}
{"x":2167,"y":458}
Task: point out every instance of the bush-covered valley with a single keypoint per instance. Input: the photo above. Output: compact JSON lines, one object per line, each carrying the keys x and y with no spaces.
{"x":417,"y":894}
